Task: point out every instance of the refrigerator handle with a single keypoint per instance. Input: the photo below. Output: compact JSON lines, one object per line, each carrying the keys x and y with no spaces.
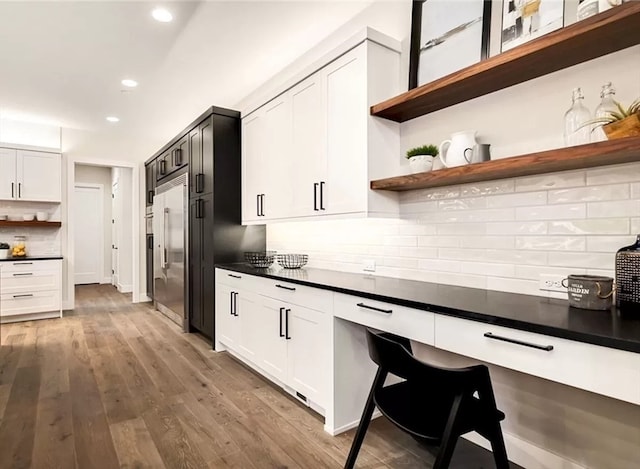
{"x":165,"y":225}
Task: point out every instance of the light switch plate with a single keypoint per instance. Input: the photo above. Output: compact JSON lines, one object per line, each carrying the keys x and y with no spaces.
{"x":369,"y":265}
{"x":552,"y":282}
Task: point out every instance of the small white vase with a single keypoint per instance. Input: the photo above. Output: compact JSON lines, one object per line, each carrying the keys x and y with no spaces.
{"x":420,"y":163}
{"x":4,"y":254}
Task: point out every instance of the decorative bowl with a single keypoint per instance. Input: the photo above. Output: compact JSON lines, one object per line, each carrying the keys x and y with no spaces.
{"x":293,"y":261}
{"x":260,"y":259}
{"x":28,"y":216}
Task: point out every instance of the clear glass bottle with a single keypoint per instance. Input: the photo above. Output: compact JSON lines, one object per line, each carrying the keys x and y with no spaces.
{"x":607,"y":105}
{"x":19,"y":248}
{"x":574,"y":131}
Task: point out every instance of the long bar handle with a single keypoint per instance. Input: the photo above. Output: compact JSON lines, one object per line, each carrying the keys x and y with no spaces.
{"x":281,"y":311}
{"x":284,"y":287}
{"x":28,"y":295}
{"x":380,"y":310}
{"x":546,"y":348}
{"x":234,"y":276}
{"x":165,"y":229}
{"x":286,"y":323}
{"x":315,"y":196}
{"x":23,"y":274}
{"x":235,"y":303}
{"x":322,"y":195}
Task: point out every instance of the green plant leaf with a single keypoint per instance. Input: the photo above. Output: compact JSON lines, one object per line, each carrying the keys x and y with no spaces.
{"x":622,"y":110}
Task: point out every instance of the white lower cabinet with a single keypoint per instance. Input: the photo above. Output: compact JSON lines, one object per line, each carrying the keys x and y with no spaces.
{"x":285,"y":341}
{"x":30,"y":290}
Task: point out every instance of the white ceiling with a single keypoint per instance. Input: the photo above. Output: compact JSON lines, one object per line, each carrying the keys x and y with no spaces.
{"x":62,"y":61}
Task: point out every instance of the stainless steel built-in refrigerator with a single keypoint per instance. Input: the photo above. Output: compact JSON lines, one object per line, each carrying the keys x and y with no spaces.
{"x":170,"y":234}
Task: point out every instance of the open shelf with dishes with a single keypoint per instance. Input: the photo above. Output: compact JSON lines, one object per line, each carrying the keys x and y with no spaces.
{"x":32,"y":224}
{"x":624,"y":150}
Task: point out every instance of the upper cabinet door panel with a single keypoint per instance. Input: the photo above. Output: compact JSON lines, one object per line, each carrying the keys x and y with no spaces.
{"x":308,"y":159}
{"x":347,"y":114}
{"x":252,"y":164}
{"x":39,"y":176}
{"x":8,"y":183}
{"x":276,"y":165}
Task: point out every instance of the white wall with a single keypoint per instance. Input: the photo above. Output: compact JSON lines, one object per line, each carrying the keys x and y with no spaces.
{"x":100,"y":175}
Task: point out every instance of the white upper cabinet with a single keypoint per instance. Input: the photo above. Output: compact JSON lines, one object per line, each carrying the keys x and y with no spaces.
{"x":30,"y":175}
{"x":321,"y":146}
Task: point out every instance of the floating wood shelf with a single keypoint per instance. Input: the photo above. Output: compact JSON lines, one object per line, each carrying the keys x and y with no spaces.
{"x":624,"y":150}
{"x":32,"y":224}
{"x":610,"y":31}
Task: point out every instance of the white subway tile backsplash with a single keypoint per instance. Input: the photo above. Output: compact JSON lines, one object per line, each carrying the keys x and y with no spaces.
{"x":613,"y":174}
{"x":550,"y":181}
{"x":587,"y":260}
{"x":551,"y":243}
{"x":517,"y":200}
{"x":589,"y":194}
{"x":621,"y":208}
{"x":601,"y":226}
{"x":514,"y":228}
{"x":608,"y":243}
{"x":551,"y":212}
{"x":500,"y":235}
{"x":487,"y":188}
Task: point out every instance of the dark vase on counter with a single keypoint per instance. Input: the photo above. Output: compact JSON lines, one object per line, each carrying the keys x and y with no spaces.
{"x":628,"y":277}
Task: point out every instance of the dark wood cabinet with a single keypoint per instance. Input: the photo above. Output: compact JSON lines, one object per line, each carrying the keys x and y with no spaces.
{"x":210,"y":147}
{"x":150,"y":178}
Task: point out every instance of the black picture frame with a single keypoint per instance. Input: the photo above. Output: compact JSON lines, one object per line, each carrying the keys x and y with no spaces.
{"x":416,"y":34}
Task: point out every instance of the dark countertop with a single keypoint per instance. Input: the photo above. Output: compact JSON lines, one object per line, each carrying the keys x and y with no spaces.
{"x":28,"y":258}
{"x":525,"y":312}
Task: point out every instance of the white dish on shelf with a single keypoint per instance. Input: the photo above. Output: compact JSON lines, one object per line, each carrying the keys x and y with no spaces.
{"x":42,"y":216}
{"x":3,"y":218}
{"x":28,"y":216}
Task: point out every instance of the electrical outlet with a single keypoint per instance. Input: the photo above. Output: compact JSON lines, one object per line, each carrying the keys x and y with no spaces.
{"x":552,"y":282}
{"x":369,"y":265}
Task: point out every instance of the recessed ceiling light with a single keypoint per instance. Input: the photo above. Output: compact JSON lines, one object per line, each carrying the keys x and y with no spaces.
{"x":113,"y":119}
{"x":130,"y":83}
{"x":162,"y":15}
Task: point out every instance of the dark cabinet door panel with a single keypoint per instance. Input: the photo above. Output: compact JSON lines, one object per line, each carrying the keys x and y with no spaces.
{"x":206,"y":137}
{"x":195,"y":281}
{"x":207,"y":264}
{"x":195,"y":163}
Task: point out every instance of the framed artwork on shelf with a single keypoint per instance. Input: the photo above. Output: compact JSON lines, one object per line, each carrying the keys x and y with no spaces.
{"x":447,"y":37}
{"x":524,"y":20}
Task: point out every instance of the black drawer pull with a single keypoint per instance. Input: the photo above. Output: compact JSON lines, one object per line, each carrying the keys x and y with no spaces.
{"x":286,"y":324}
{"x":23,"y":275}
{"x":284,"y":287}
{"x":28,"y":295}
{"x":546,"y":348}
{"x":281,"y":311}
{"x":23,"y":263}
{"x":386,"y":311}
{"x":234,"y":276}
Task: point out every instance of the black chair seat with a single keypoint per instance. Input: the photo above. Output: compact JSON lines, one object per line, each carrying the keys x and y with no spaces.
{"x":423,"y":413}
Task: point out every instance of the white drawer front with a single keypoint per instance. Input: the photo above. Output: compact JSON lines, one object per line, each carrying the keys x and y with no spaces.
{"x":411,"y":323}
{"x":312,"y":298}
{"x":235,"y":280}
{"x":602,"y":370}
{"x":29,"y":282}
{"x":30,"y":266}
{"x":26,"y":303}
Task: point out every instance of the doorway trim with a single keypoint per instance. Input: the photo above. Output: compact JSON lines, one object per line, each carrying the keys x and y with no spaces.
{"x":100,"y":188}
{"x":67,"y":233}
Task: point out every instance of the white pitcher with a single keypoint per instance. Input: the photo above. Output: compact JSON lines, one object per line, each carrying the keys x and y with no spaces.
{"x":452,"y":152}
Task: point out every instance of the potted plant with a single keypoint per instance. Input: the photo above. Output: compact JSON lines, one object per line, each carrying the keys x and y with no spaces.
{"x":621,"y":123}
{"x":4,"y":250}
{"x":421,"y":158}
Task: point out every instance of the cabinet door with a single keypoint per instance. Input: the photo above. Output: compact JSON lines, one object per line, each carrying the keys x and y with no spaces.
{"x":206,"y":137}
{"x":276,"y":169}
{"x":306,"y":353}
{"x":195,"y":163}
{"x":39,"y":176}
{"x":195,"y":270}
{"x":345,"y":189}
{"x":253,"y":165}
{"x":247,"y":308}
{"x":207,"y":263}
{"x":8,"y":166}
{"x":150,"y":181}
{"x":273,"y":357}
{"x":227,"y":325}
{"x":179,"y":154}
{"x":309,"y":167}
{"x":162,"y":165}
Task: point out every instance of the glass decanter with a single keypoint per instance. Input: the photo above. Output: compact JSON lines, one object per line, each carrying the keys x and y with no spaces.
{"x":575,"y":132}
{"x":606,"y":106}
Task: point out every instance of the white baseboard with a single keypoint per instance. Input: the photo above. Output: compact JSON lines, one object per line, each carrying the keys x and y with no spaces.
{"x":105,"y":281}
{"x":142,"y":298}
{"x":525,"y":454}
{"x":67,"y":305}
{"x":124,"y":288}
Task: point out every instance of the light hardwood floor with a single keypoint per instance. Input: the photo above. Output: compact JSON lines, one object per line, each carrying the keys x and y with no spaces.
{"x":114,"y":384}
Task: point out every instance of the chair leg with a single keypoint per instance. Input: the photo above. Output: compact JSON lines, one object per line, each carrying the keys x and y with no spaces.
{"x":364,"y":421}
{"x":449,"y":438}
{"x":499,"y":450}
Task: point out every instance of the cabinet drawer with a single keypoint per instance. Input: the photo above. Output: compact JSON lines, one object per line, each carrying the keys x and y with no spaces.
{"x":602,"y":370}
{"x":30,"y":266}
{"x":28,"y":282}
{"x":236,"y":280}
{"x":26,"y":303}
{"x":411,"y":323}
{"x":312,"y":298}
